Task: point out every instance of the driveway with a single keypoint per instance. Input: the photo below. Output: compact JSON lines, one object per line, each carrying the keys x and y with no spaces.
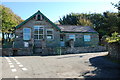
{"x":82,"y":65}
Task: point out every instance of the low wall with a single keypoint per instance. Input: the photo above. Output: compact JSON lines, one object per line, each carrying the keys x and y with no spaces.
{"x":83,"y":49}
{"x":22,"y":51}
{"x":7,"y":51}
{"x":53,"y":51}
{"x":114,"y":50}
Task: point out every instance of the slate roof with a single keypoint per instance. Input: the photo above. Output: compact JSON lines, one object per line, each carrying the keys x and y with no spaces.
{"x":72,"y":28}
{"x":62,"y":28}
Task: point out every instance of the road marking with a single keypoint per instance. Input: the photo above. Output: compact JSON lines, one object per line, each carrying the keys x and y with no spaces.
{"x":10,"y":63}
{"x":18,"y":62}
{"x":20,"y":65}
{"x":13,"y":58}
{"x":16,"y":76}
{"x":13,"y":70}
{"x":24,"y":69}
{"x":6,"y":57}
{"x":11,"y":66}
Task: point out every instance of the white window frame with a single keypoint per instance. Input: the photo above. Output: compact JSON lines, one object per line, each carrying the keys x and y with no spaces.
{"x":38,"y":32}
{"x":71,"y":38}
{"x":87,"y":38}
{"x":50,"y":34}
{"x":26,"y":33}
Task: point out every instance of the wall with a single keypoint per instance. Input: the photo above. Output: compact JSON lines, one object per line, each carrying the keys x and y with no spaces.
{"x":19,"y":42}
{"x":114,"y":50}
{"x":79,"y":41}
{"x":68,"y":50}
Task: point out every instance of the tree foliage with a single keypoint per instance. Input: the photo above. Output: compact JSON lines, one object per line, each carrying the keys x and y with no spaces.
{"x":104,"y":24}
{"x":114,"y":38}
{"x":75,"y":19}
{"x":8,"y":22}
{"x":9,"y":19}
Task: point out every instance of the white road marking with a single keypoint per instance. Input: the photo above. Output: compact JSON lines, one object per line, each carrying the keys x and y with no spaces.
{"x":24,"y":69}
{"x":13,"y":58}
{"x":11,"y":66}
{"x":10,"y":63}
{"x":6,"y":57}
{"x":20,"y":65}
{"x":16,"y":76}
{"x":16,"y":61}
{"x":13,"y":70}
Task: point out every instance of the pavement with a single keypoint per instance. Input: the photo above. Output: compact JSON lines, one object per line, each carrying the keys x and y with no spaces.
{"x":83,"y":65}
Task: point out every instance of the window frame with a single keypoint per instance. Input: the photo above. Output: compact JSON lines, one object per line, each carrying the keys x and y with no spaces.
{"x":39,"y":26}
{"x":72,"y":38}
{"x":27,"y":34}
{"x":40,"y":16}
{"x":50,"y":34}
{"x":86,"y":38}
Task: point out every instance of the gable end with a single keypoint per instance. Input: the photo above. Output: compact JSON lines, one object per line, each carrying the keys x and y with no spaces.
{"x":18,"y":26}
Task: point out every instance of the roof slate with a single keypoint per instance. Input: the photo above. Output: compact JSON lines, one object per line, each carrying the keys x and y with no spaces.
{"x":72,"y":28}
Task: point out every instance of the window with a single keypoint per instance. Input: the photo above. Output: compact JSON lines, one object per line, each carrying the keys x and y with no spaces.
{"x":38,"y":17}
{"x":86,"y":37}
{"x":72,"y":37}
{"x":62,"y":43}
{"x":49,"y":33}
{"x":38,"y":32}
{"x":26,"y":33}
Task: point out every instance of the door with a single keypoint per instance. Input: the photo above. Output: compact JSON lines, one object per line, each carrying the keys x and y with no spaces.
{"x":62,"y":40}
{"x":38,"y":38}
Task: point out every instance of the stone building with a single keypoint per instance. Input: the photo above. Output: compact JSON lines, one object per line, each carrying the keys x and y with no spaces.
{"x":39,"y":35}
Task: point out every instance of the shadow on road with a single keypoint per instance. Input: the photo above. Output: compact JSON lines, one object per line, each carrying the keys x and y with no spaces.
{"x":104,"y":68}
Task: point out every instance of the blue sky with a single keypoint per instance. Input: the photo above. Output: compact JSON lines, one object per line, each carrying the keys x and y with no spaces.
{"x":55,"y":10}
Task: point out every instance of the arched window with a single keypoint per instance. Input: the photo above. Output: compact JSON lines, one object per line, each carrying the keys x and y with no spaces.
{"x":38,"y":17}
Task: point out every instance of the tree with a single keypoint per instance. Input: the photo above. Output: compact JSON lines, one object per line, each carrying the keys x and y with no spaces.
{"x":104,"y":24}
{"x":75,"y":19}
{"x":9,"y":21}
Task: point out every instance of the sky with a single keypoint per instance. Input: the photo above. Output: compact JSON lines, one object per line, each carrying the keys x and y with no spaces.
{"x":55,"y":10}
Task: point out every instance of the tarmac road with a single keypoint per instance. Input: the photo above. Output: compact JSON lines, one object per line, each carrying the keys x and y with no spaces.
{"x":82,"y":65}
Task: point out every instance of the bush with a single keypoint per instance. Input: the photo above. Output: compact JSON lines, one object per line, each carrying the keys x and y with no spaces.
{"x":114,"y":38}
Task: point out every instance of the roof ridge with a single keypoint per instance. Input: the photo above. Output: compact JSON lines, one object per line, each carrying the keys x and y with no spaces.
{"x":38,"y":12}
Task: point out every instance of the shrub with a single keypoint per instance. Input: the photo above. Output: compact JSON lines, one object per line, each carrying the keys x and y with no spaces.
{"x":114,"y":38}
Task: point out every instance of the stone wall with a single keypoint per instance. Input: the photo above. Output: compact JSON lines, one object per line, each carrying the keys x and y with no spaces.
{"x":72,"y":50}
{"x":79,"y":39}
{"x":7,"y":51}
{"x":68,"y":50}
{"x":114,"y":50}
{"x":52,"y":51}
